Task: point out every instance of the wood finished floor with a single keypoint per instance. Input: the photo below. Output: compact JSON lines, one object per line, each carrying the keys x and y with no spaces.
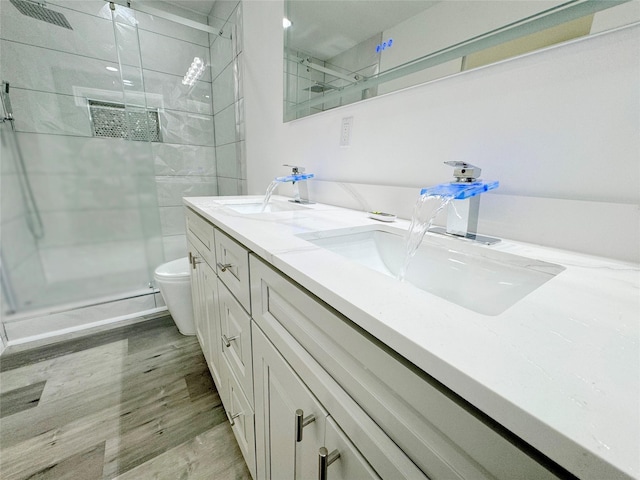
{"x":134,"y":402}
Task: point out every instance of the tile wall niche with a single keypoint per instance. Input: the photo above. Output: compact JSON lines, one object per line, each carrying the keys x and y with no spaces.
{"x":52,"y":72}
{"x":228,"y":97}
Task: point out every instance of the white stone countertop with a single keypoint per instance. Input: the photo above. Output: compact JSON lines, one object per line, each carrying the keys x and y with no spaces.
{"x":560,"y":368}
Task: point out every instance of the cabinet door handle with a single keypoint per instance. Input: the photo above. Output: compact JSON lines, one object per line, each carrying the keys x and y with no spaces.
{"x":232,"y":418}
{"x":223,"y":266}
{"x":227,"y":341}
{"x":301,"y":422}
{"x":324,"y":460}
{"x":194,"y":260}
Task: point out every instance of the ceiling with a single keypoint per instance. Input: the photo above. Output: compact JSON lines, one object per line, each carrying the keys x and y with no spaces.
{"x":202,"y":7}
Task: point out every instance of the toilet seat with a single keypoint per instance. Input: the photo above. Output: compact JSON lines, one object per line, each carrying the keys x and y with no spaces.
{"x":175,"y":269}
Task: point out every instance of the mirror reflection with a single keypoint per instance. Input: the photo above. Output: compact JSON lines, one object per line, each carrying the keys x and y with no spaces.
{"x":341,"y":52}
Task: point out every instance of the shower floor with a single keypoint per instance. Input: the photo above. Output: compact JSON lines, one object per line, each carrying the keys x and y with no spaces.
{"x":127,"y":403}
{"x":83,"y":291}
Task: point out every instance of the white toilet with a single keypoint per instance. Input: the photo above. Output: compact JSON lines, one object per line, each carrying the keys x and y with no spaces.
{"x":174,"y":281}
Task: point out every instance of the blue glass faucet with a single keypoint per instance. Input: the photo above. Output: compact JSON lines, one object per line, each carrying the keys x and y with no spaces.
{"x":463,"y":195}
{"x":297,"y":177}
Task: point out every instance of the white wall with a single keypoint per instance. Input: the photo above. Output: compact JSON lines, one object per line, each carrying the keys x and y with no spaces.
{"x":558,"y":128}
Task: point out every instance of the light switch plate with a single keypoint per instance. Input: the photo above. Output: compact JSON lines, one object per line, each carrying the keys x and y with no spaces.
{"x":345,"y":131}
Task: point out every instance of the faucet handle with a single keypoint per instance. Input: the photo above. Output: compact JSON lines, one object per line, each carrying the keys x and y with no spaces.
{"x":464,"y":172}
{"x":294,"y":168}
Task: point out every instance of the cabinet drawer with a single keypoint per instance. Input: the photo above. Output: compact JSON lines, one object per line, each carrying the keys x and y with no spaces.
{"x":234,"y":341}
{"x":444,"y":436}
{"x":200,"y":234}
{"x":233,"y":267}
{"x":240,"y":415}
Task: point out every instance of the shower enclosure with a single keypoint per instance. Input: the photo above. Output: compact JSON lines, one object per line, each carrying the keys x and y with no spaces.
{"x":101,"y":136}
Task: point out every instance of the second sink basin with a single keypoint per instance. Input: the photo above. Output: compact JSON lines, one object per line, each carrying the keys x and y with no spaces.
{"x":256,"y":207}
{"x":475,"y":277}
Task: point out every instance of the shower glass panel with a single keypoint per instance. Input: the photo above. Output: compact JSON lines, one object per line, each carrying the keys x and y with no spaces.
{"x":96,"y":196}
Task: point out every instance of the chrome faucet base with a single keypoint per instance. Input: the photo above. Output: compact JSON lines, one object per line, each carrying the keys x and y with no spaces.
{"x":302,"y":202}
{"x":473,"y":237}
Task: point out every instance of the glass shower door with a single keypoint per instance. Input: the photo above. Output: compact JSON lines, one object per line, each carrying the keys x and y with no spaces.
{"x":81,"y":123}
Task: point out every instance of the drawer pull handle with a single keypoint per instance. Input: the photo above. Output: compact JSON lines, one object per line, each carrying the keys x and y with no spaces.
{"x":227,"y":341}
{"x":325,"y":459}
{"x":232,"y":418}
{"x":301,"y":422}
{"x":223,"y":266}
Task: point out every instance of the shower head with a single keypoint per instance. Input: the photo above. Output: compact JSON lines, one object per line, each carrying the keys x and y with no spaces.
{"x":37,"y":10}
{"x":321,"y":87}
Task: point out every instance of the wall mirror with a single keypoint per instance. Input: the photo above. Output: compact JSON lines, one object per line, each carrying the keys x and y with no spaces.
{"x":341,"y":52}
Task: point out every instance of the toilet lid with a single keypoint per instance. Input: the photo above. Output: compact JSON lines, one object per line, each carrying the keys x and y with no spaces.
{"x":175,"y":268}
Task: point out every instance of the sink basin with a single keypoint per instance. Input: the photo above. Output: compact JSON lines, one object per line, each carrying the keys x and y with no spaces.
{"x":472,"y":276}
{"x":256,"y":207}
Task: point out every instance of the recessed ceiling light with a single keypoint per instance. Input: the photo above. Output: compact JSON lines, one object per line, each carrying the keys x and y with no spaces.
{"x":112,"y":69}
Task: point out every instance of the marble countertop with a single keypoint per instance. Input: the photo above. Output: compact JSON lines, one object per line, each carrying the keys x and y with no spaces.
{"x":560,"y":368}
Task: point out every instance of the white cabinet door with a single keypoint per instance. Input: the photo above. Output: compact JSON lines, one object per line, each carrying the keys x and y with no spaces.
{"x":204,"y":296}
{"x":197,"y":295}
{"x":211,"y":327}
{"x":349,"y":464}
{"x":280,"y":395}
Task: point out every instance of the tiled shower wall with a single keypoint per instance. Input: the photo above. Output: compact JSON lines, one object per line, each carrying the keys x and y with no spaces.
{"x":228,"y":97}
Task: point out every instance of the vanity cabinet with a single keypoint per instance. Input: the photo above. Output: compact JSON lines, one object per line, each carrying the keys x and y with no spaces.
{"x":222,"y":324}
{"x":280,"y":356}
{"x":397,"y":416}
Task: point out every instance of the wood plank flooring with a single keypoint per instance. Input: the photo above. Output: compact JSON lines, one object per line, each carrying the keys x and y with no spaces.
{"x":133,"y":402}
